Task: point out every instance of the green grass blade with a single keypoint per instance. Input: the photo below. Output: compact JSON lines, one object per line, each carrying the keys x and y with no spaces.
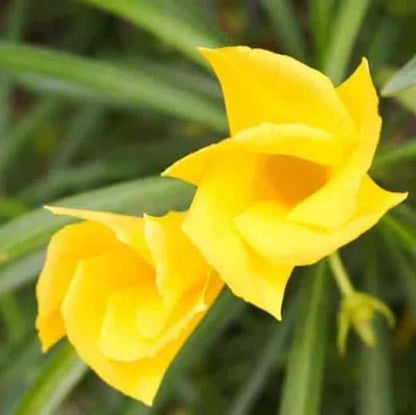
{"x":246,"y":396}
{"x":20,"y":272}
{"x":55,"y":381}
{"x":321,"y":14}
{"x":302,"y":386}
{"x":345,"y":31}
{"x":219,"y":316}
{"x":403,"y":79}
{"x":153,"y":195}
{"x":376,"y":387}
{"x":401,"y":232}
{"x":23,"y":131}
{"x":16,"y":15}
{"x":88,"y":117}
{"x":384,"y":42}
{"x":168,"y":21}
{"x":287,"y":27}
{"x":405,"y":272}
{"x":108,"y":83}
{"x":394,"y":156}
{"x":135,"y":161}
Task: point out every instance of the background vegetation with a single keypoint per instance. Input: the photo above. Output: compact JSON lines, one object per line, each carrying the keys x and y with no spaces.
{"x":103,"y":93}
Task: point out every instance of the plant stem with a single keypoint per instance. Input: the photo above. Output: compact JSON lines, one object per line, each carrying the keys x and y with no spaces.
{"x":340,"y":274}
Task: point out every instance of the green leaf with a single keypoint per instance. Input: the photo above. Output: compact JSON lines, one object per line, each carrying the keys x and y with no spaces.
{"x":321,"y":13}
{"x":55,"y":381}
{"x":153,"y":195}
{"x":389,"y":158}
{"x":287,"y":27}
{"x":107,"y":83}
{"x":405,"y":97}
{"x":302,"y":386}
{"x":171,"y":22}
{"x":345,"y":30}
{"x":375,"y":372}
{"x":404,"y":78}
{"x":401,"y":232}
{"x":23,"y":131}
{"x":134,"y":161}
{"x":273,"y":352}
{"x":405,"y":271}
{"x":219,"y":316}
{"x":21,"y":272}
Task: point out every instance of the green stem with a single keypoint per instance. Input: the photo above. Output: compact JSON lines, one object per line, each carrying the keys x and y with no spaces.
{"x":340,"y":274}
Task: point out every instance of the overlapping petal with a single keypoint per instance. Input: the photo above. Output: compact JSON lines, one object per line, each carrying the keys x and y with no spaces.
{"x":224,"y":192}
{"x":336,"y":202}
{"x":302,"y":141}
{"x":125,"y":301}
{"x":128,"y":229}
{"x":67,"y":247}
{"x":290,"y":186}
{"x":260,"y":86}
{"x":278,"y":240}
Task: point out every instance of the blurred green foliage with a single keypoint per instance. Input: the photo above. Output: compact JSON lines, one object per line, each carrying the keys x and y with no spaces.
{"x":102,"y":93}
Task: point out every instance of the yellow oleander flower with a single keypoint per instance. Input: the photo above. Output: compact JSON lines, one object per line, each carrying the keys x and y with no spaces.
{"x":290,"y":186}
{"x":127,"y":292}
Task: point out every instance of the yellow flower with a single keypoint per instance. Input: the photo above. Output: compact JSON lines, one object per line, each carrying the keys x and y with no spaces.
{"x":127,"y":291}
{"x":290,"y":186}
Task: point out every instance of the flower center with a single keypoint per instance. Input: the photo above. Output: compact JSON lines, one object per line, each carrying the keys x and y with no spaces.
{"x":291,"y":179}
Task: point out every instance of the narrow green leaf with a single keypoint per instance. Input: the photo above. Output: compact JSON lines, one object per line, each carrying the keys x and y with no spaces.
{"x":384,"y":41}
{"x":11,"y":314}
{"x":87,"y":118}
{"x":376,"y":387}
{"x":22,"y":132}
{"x":394,"y":156}
{"x":345,"y":30}
{"x":16,"y":16}
{"x":219,"y":316}
{"x":107,"y":83}
{"x":404,"y":235}
{"x":135,"y":161}
{"x":167,"y":20}
{"x":405,"y":97}
{"x":302,"y":386}
{"x":250,"y":390}
{"x":153,"y":195}
{"x":321,"y":14}
{"x":56,"y":380}
{"x":405,"y":272}
{"x":20,"y":272}
{"x":287,"y":27}
{"x":404,"y":78}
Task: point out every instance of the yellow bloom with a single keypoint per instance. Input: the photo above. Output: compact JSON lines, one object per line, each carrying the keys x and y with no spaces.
{"x":127,"y":292}
{"x":290,"y":186}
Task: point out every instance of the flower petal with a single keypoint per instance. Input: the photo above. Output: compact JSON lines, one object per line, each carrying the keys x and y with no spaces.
{"x":360,"y":98}
{"x":260,"y":86}
{"x":180,"y":266}
{"x":68,"y":246}
{"x":121,"y":338}
{"x":297,"y":140}
{"x":128,"y":229}
{"x":336,"y":202}
{"x":209,"y":225}
{"x":83,"y":310}
{"x":265,"y":229}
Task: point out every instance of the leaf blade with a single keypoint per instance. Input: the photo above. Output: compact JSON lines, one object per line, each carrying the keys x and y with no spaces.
{"x":301,"y":389}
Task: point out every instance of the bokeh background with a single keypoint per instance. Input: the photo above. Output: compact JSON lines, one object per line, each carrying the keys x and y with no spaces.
{"x":103,"y":93}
